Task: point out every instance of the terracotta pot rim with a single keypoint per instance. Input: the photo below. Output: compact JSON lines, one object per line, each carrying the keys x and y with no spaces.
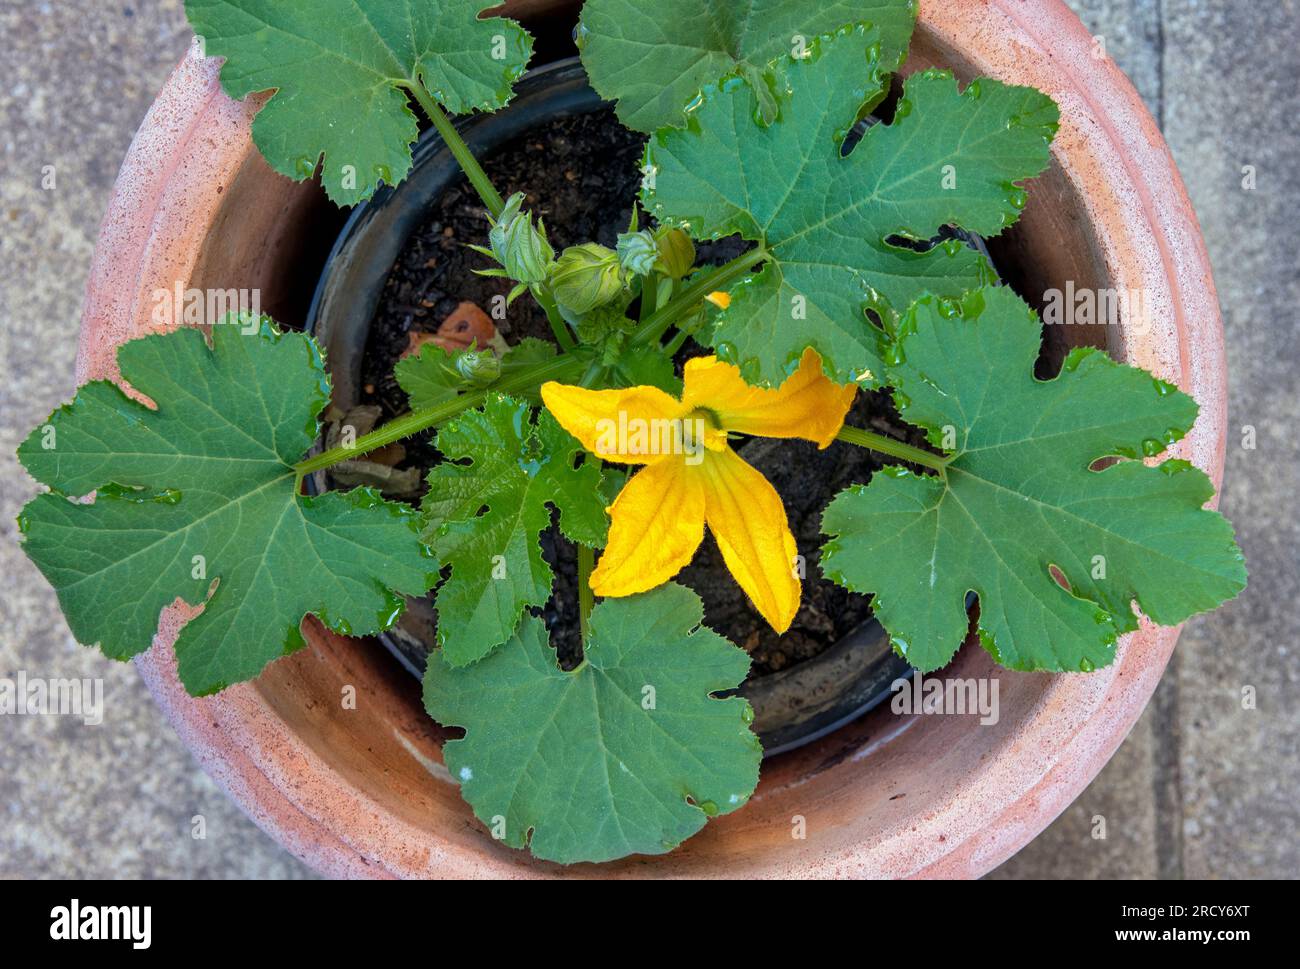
{"x":194,"y":142}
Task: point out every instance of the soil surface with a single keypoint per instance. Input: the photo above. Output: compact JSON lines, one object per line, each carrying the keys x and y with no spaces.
{"x":582,"y":175}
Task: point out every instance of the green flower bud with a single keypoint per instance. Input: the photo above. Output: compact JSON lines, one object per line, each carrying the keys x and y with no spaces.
{"x":478,"y":367}
{"x":518,"y":246}
{"x":676,"y":252}
{"x":637,"y":252}
{"x":586,"y":276}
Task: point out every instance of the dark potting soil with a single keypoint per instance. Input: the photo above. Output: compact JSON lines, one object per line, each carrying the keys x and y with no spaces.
{"x":582,"y":175}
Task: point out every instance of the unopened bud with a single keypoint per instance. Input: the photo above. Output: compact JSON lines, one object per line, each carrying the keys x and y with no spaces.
{"x":586,"y":276}
{"x":518,"y":245}
{"x":638,"y":252}
{"x":676,"y":252}
{"x":478,"y":367}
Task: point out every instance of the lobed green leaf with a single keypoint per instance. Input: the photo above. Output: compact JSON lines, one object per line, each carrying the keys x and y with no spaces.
{"x":486,"y":507}
{"x":341,"y":69}
{"x":830,"y":222}
{"x":196,"y":499}
{"x":653,"y":59}
{"x":1023,"y":497}
{"x":630,"y":753}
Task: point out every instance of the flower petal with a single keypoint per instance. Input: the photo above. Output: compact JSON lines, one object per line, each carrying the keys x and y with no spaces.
{"x":644,"y":415}
{"x":746,"y":516}
{"x":808,"y":405}
{"x":656,"y":524}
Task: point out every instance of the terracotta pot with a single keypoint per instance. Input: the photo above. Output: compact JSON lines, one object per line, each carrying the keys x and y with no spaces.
{"x":364,"y":792}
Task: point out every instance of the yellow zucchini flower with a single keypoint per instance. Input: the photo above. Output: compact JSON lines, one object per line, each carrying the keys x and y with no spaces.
{"x":692,"y":477}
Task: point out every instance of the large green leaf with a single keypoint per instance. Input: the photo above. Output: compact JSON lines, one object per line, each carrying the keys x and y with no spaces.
{"x":341,"y":70}
{"x":654,"y":58}
{"x":197,"y":500}
{"x":827,"y":220}
{"x":627,"y":754}
{"x":486,"y":508}
{"x":1020,"y":498}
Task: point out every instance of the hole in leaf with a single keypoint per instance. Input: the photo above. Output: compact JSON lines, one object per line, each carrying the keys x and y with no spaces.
{"x":1060,"y":578}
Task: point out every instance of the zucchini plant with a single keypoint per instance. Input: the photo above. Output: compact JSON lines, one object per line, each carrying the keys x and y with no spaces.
{"x":190,"y":486}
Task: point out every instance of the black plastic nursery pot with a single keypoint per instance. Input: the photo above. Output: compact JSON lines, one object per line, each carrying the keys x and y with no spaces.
{"x":853,"y":667}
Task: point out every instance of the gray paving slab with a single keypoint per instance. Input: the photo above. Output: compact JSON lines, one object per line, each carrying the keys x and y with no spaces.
{"x":1232,"y":107}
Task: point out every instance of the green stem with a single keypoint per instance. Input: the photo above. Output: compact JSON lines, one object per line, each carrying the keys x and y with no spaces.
{"x":895,"y":449}
{"x":559,"y":327}
{"x":586,"y":598}
{"x":464,"y":157}
{"x":491,"y":198}
{"x":682,"y":305}
{"x":649,"y":296}
{"x":416,"y":421}
{"x":595,"y":374}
